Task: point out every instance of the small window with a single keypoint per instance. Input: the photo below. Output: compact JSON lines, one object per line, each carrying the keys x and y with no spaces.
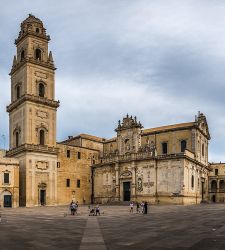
{"x":68,"y":182}
{"x":38,"y":54}
{"x":203,"y":149}
{"x":183,"y":145}
{"x":216,"y":171}
{"x":192,"y":181}
{"x":42,"y":137}
{"x":164,"y":147}
{"x":78,"y":183}
{"x":6,"y":178}
{"x":68,"y":153}
{"x":41,"y":90}
{"x":17,"y":139}
{"x":58,"y":164}
{"x":18,"y":92}
{"x":78,"y":155}
{"x":37,"y":30}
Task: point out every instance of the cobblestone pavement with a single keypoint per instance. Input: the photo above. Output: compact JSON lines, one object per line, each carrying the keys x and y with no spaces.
{"x":165,"y":227}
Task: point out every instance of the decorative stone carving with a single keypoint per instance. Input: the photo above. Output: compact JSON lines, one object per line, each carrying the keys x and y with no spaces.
{"x":139,"y":184}
{"x":42,"y":114}
{"x":42,"y":165}
{"x":126,"y":174}
{"x":41,"y":74}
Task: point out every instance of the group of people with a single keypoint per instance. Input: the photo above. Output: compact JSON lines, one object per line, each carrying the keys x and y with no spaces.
{"x":94,"y":211}
{"x":73,"y":207}
{"x":140,"y":207}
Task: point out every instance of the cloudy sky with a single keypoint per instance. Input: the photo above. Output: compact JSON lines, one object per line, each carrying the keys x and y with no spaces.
{"x":161,"y":60}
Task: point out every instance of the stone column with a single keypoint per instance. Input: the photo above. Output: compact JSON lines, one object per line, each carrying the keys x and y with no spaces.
{"x":133,"y":190}
{"x":117,"y":182}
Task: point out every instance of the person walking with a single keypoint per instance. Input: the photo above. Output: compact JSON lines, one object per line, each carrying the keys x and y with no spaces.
{"x":138,"y":207}
{"x":97,"y":210}
{"x":72,"y":207}
{"x":145,"y":207}
{"x":142,"y":207}
{"x":131,"y":207}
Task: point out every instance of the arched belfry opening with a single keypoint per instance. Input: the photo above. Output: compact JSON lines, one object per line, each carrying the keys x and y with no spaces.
{"x":38,"y":54}
{"x":17,"y":138}
{"x":42,"y":137}
{"x":41,"y":90}
{"x":22,"y":55}
{"x":18,"y":91}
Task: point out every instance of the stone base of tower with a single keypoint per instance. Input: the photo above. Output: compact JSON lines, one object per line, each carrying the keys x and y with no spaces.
{"x":38,"y":179}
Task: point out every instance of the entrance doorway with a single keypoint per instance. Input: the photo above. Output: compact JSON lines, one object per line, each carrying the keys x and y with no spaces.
{"x":214,"y":198}
{"x":43,"y":197}
{"x":7,"y":200}
{"x":126,"y":191}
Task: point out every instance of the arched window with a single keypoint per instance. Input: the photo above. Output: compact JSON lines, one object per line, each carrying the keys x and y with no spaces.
{"x":183,"y":145}
{"x":41,"y":90}
{"x":38,"y":54}
{"x":22,"y":55}
{"x":17,"y":138}
{"x":42,"y":137}
{"x":222,"y":185}
{"x":18,"y":92}
{"x":213,"y":186}
{"x":192,"y":181}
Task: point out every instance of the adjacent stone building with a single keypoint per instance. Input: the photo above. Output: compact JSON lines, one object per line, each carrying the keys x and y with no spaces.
{"x":217,"y":182}
{"x":9,"y":181}
{"x":168,"y":164}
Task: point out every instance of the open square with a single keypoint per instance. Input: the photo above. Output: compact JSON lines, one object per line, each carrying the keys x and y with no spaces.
{"x":164,"y":227}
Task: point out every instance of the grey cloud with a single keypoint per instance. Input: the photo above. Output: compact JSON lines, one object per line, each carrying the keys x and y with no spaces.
{"x":162,"y":61}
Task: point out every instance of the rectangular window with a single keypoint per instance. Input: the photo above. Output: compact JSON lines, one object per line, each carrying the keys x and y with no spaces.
{"x":68,"y":153}
{"x":6,"y":178}
{"x":164,"y":147}
{"x":78,"y":183}
{"x":78,"y":155}
{"x":216,"y":171}
{"x":68,"y":182}
{"x":58,"y":164}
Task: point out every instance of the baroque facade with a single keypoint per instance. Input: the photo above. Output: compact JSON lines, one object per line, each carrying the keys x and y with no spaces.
{"x":167,"y":164}
{"x":161,"y":165}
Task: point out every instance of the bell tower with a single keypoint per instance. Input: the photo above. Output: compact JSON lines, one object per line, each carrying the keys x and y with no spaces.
{"x":32,"y":115}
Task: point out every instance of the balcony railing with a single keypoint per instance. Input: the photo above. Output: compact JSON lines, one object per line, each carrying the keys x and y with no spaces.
{"x":113,"y":158}
{"x":32,"y":147}
{"x":33,"y":98}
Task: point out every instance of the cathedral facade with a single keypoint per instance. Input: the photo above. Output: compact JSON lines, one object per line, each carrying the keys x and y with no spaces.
{"x":168,"y":164}
{"x":161,"y":165}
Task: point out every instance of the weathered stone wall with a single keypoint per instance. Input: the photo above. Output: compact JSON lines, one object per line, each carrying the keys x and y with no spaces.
{"x":75,"y":169}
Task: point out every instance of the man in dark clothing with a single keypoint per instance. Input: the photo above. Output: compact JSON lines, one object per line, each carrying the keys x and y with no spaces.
{"x":145,"y":207}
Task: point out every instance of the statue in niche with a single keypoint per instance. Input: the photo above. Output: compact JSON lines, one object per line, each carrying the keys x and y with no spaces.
{"x":139,"y":185}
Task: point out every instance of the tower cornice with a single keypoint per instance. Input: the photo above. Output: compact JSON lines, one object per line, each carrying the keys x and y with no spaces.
{"x":32,"y":34}
{"x":17,"y":66}
{"x":34,"y":99}
{"x":32,"y":148}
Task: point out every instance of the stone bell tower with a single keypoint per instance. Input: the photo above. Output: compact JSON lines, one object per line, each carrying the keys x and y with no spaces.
{"x":32,"y":115}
